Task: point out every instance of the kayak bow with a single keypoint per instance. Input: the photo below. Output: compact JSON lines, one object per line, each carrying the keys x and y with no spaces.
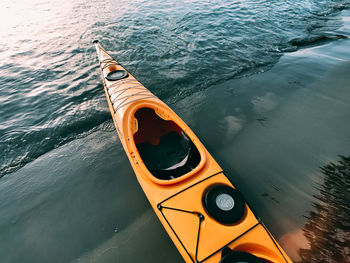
{"x":204,"y":214}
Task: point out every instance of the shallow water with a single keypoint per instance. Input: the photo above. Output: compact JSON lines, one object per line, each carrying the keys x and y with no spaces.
{"x":67,"y":191}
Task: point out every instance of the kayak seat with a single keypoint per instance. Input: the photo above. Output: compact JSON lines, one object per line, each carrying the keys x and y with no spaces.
{"x":174,"y":156}
{"x":163,"y":146}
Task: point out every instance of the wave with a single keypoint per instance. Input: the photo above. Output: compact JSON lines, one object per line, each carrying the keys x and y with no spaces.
{"x":30,"y":145}
{"x":51,"y":84}
{"x":316,"y":40}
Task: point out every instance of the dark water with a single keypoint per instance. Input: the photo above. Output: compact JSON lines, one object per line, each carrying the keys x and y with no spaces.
{"x":65,"y":178}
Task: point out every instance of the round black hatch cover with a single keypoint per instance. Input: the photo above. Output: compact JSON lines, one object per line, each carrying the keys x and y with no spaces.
{"x":224,"y":204}
{"x":117,"y":75}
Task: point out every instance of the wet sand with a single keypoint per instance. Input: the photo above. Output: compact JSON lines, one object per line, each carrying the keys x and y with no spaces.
{"x":273,"y":141}
{"x":270,"y":132}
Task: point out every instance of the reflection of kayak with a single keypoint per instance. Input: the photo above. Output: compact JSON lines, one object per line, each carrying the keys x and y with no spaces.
{"x":205,"y":216}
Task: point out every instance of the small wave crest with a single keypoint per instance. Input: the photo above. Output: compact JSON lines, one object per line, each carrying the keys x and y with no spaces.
{"x":316,"y":40}
{"x":26,"y":146}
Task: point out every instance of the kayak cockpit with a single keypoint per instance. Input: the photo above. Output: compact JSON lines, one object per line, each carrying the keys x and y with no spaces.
{"x":164,"y":148}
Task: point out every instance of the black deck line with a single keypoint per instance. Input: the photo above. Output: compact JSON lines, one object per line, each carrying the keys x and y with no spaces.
{"x":190,"y":186}
{"x":180,"y":210}
{"x":273,"y":240}
{"x":160,"y":207}
{"x":200,"y":221}
{"x":176,"y":235}
{"x":201,"y":218}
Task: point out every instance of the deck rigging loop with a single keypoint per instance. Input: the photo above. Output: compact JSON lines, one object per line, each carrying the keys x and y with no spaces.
{"x":200,"y":218}
{"x":116,"y":90}
{"x":138,"y":93}
{"x":108,"y":62}
{"x":125,"y":102}
{"x":115,"y":86}
{"x":114,"y":95}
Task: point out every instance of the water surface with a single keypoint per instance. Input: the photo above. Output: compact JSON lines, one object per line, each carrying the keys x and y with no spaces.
{"x":264,"y":84}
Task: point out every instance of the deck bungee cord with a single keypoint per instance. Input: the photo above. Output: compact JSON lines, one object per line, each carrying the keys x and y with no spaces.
{"x":205,"y":215}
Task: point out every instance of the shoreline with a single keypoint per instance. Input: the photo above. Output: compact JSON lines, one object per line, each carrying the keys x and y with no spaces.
{"x":273,"y":131}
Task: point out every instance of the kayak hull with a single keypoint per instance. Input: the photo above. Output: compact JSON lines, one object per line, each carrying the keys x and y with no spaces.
{"x":179,"y":201}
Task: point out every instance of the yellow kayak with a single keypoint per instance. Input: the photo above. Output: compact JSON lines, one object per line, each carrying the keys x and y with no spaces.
{"x":204,"y":214}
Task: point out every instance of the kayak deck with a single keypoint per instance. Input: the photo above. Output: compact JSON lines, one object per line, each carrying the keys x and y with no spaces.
{"x":204,"y":214}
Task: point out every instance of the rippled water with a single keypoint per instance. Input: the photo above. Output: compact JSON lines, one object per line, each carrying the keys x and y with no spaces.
{"x":278,"y":134}
{"x":49,"y":88}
